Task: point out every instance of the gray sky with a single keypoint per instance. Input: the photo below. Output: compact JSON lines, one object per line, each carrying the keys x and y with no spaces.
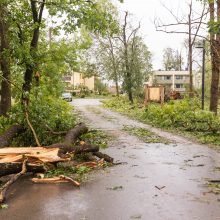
{"x":145,"y":11}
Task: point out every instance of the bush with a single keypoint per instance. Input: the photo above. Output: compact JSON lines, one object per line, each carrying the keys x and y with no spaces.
{"x":73,"y":93}
{"x":182,"y":115}
{"x":44,"y":112}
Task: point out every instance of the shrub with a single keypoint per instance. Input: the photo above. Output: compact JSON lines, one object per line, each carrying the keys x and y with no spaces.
{"x":43,"y":112}
{"x":183,"y":115}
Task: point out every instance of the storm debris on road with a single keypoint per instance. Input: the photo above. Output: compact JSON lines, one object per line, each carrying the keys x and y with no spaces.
{"x":73,"y":154}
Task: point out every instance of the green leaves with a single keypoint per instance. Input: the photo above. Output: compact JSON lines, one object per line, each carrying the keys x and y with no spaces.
{"x":214,"y":27}
{"x":182,"y":115}
{"x":4,"y":206}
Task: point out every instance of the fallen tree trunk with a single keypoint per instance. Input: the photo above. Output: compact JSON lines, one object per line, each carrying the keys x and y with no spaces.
{"x":68,"y":148}
{"x":8,"y":135}
{"x":11,"y":159}
{"x":10,"y":168}
{"x":73,"y":134}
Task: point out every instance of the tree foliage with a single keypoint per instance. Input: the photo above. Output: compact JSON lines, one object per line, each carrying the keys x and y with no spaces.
{"x":37,"y":64}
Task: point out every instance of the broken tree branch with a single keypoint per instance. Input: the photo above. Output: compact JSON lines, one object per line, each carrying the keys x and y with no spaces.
{"x":11,"y":181}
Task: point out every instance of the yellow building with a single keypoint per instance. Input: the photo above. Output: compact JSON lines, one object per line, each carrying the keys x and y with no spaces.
{"x":76,"y":79}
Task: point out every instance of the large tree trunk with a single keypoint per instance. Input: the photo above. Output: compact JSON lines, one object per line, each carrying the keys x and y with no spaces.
{"x":28,"y":75}
{"x":117,"y":87}
{"x":5,"y":103}
{"x":128,"y":81}
{"x":190,"y":54}
{"x":7,"y":137}
{"x":115,"y":69}
{"x":215,"y":78}
{"x":215,"y":60}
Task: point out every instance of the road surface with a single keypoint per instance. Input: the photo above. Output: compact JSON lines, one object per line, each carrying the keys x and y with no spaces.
{"x":159,"y":181}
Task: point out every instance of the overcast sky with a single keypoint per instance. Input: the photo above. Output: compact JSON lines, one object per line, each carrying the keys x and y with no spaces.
{"x":145,"y":11}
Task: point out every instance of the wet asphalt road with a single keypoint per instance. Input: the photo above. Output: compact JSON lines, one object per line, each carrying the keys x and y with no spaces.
{"x":159,"y":182}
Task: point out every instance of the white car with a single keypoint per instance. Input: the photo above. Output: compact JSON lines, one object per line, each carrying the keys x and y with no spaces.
{"x":67,"y":96}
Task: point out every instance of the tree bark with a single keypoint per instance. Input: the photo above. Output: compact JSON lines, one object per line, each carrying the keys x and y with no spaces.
{"x":114,"y":66}
{"x":10,"y":168}
{"x":28,"y":75}
{"x":71,"y":137}
{"x":69,"y":148}
{"x":128,"y":81}
{"x":7,"y":136}
{"x":215,"y":59}
{"x":190,"y":55}
{"x":106,"y":157}
{"x":74,"y":133}
{"x":5,"y":103}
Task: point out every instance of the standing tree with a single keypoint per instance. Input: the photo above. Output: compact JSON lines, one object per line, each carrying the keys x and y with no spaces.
{"x":191,"y":25}
{"x":140,"y":64}
{"x":127,"y":37}
{"x":109,"y":59}
{"x":5,"y":89}
{"x":214,"y":8}
{"x":172,"y":60}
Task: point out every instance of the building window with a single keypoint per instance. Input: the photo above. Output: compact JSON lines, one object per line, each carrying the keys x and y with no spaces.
{"x":179,"y":77}
{"x":67,"y":78}
{"x":167,"y":77}
{"x":179,"y":86}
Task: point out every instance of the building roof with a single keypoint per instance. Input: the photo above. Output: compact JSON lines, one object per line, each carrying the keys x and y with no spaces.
{"x":170,"y":73}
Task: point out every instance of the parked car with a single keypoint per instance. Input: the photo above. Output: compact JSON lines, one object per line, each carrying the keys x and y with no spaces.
{"x":67,"y":96}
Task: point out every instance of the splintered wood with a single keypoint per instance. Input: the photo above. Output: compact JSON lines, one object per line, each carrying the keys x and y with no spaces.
{"x":59,"y":179}
{"x":35,"y":155}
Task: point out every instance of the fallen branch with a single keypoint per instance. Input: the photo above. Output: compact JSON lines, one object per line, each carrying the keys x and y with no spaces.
{"x":106,"y":157}
{"x":73,"y":134}
{"x":68,"y":148}
{"x":31,"y":127}
{"x":60,"y":179}
{"x":11,"y":181}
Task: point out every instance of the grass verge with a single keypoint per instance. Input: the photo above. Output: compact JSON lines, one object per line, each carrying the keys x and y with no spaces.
{"x":182,"y":117}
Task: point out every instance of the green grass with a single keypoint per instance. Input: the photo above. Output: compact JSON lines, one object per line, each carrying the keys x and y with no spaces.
{"x":97,"y":137}
{"x":214,"y":188}
{"x":145,"y":135}
{"x":77,"y":173}
{"x":183,"y":117}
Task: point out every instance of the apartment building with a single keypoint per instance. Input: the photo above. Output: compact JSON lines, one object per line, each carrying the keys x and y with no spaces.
{"x":76,"y":79}
{"x":176,"y":80}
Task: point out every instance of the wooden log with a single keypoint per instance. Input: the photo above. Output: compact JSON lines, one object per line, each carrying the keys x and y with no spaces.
{"x":68,"y":148}
{"x":74,"y":133}
{"x":10,"y":168}
{"x":8,"y":135}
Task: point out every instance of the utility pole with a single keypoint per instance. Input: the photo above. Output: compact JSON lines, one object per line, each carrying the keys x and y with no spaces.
{"x":203,"y":76}
{"x":203,"y":72}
